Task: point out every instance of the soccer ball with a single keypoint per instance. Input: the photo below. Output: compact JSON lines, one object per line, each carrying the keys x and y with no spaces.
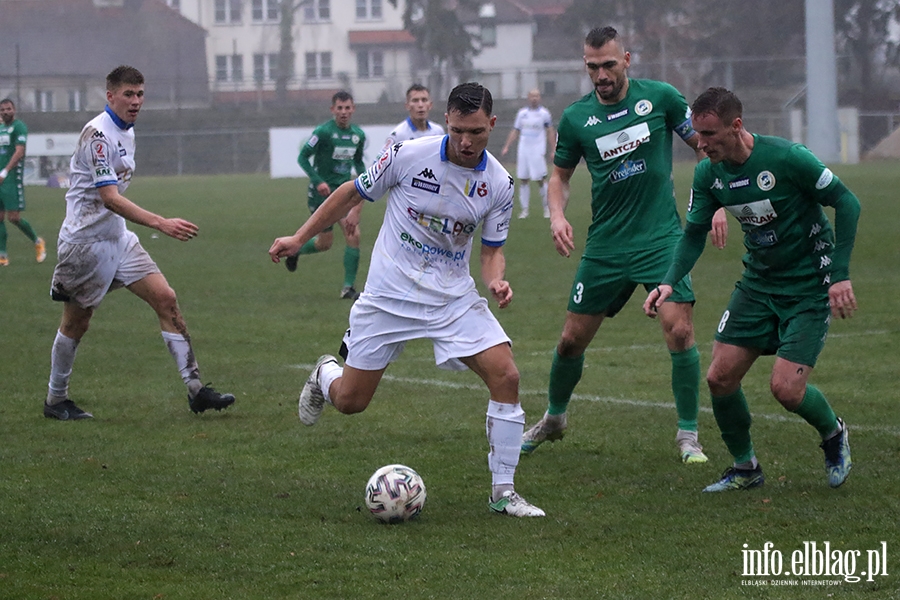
{"x":395,"y":493}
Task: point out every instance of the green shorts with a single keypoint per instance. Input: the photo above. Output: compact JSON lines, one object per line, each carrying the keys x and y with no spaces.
{"x":793,"y":327}
{"x":604,"y":285}
{"x":314,"y":200}
{"x":12,"y":195}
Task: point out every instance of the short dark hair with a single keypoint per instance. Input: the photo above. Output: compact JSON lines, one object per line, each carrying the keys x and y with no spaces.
{"x":417,"y":87}
{"x":599,"y":36}
{"x":123,"y":75}
{"x":720,"y":102}
{"x":8,"y":101}
{"x":467,"y":98}
{"x":341,"y":96}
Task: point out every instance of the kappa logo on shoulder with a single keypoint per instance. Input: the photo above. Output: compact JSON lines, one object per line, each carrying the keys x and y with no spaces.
{"x":427,"y":174}
{"x":592,"y":120}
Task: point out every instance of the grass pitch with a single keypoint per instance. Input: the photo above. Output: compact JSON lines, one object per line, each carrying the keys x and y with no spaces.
{"x":151,"y":501}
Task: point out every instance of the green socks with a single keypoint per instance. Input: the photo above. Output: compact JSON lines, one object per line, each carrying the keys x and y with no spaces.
{"x":564,"y":376}
{"x":733,"y":417}
{"x":309,"y":247}
{"x":686,"y":386}
{"x":816,"y":411}
{"x":351,"y":265}
{"x":27,"y":229}
{"x":3,"y":237}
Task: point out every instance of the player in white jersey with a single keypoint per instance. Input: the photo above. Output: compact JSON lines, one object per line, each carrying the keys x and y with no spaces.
{"x":419,"y":287}
{"x":97,"y":254}
{"x":534,"y":128}
{"x":416,"y":125}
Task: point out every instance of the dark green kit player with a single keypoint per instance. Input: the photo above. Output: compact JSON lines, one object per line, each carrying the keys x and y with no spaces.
{"x":623,"y":131}
{"x":13,"y":135}
{"x":329,"y":157}
{"x":796,"y":276}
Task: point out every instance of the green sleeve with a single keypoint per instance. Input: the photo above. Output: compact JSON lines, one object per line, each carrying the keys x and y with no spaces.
{"x":846,"y":216}
{"x":688,"y":250}
{"x":358,"y":162}
{"x":305,"y":159}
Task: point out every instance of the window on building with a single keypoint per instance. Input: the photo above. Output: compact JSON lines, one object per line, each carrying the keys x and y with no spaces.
{"x":488,"y":35}
{"x":76,"y":100}
{"x":317,"y":11}
{"x":229,"y":67}
{"x":265,"y":67}
{"x":265,"y":11}
{"x":228,"y":11}
{"x":318,"y":65}
{"x":368,"y":9}
{"x":176,"y":4}
{"x":369,"y":64}
{"x":43,"y":100}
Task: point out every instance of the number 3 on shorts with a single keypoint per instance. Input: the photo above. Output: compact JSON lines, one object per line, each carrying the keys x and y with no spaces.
{"x":579,"y":292}
{"x":724,"y":320}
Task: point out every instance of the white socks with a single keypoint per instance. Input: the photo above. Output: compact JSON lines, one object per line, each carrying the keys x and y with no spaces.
{"x":62,"y":357}
{"x":180,"y":348}
{"x":524,"y":196}
{"x":328,"y":372}
{"x":505,"y":426}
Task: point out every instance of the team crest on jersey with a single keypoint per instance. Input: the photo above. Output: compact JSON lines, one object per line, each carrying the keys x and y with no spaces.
{"x":643,"y":107}
{"x":354,"y":138}
{"x":476,"y":187}
{"x":765,"y":180}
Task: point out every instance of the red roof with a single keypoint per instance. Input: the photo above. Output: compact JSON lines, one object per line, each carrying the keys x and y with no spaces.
{"x":383,"y":37}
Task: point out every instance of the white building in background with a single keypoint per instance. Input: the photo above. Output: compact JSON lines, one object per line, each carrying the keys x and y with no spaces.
{"x":361,"y":45}
{"x":338,"y":44}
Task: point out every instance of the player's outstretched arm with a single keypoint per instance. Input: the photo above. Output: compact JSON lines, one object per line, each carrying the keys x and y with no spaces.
{"x":119,"y":204}
{"x":335,"y":207}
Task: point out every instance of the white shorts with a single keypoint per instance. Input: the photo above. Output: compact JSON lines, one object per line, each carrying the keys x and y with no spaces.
{"x":85,"y":273}
{"x":380,"y":328}
{"x":531,"y":164}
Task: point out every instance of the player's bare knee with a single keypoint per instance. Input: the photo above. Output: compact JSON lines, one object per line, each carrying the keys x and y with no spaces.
{"x":721,"y":383}
{"x":788,"y":393}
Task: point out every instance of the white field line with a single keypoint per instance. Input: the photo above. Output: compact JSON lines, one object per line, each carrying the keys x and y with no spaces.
{"x":609,"y":400}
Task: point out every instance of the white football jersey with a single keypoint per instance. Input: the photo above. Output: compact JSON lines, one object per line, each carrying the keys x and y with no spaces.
{"x":406,"y":130}
{"x":532,"y":124}
{"x":104,"y":156}
{"x":434,"y":209}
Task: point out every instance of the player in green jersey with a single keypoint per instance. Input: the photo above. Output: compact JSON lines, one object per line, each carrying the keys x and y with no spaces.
{"x":329,"y":157}
{"x":623,"y":132}
{"x":796,"y":276}
{"x":13,"y":135}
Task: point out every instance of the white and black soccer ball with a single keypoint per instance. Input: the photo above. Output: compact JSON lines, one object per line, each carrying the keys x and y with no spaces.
{"x":395,"y":493}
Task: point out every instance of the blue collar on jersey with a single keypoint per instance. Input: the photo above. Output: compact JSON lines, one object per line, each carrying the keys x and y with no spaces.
{"x":119,"y":122}
{"x":413,"y":125}
{"x":481,"y":166}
